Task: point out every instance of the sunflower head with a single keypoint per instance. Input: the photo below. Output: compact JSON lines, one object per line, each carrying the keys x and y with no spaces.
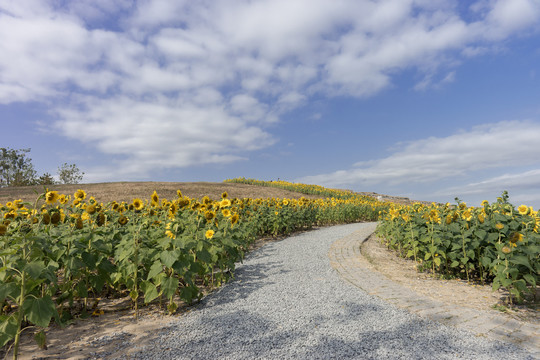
{"x":226,"y":212}
{"x":155,"y":199}
{"x":516,"y":237}
{"x":209,"y":234}
{"x":3,"y":229}
{"x":523,"y":209}
{"x":122,"y":220}
{"x":225,"y":203}
{"x":234,"y":219}
{"x":91,"y":209}
{"x":209,"y":215}
{"x":481,"y":218}
{"x":179,"y":193}
{"x":224,"y":195}
{"x":506,"y":250}
{"x":55,"y":218}
{"x":100,"y":219}
{"x":138,"y":204}
{"x":51,"y":197}
{"x":46,"y":218}
{"x":79,"y":223}
{"x":79,"y":194}
{"x":499,"y":226}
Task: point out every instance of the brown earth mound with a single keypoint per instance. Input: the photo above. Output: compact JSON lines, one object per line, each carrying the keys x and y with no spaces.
{"x":127,"y":191}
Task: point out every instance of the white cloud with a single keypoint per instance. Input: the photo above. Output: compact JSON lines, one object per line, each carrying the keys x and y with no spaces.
{"x":120,"y":73}
{"x":491,"y":146}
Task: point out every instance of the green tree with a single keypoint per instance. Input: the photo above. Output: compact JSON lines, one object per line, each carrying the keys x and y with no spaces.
{"x":16,"y":168}
{"x":46,"y":179}
{"x":70,"y":174}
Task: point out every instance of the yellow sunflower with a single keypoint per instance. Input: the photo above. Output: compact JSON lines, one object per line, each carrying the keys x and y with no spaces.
{"x":80,"y":194}
{"x":51,"y":197}
{"x":155,"y":198}
{"x":209,"y":234}
{"x":138,"y":204}
{"x":226,"y":212}
{"x":523,"y":209}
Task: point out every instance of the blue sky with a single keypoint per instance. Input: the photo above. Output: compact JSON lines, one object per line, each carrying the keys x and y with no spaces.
{"x":427,"y":99}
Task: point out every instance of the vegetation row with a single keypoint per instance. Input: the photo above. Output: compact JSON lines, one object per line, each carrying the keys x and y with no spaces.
{"x":496,"y":243}
{"x":61,"y":255}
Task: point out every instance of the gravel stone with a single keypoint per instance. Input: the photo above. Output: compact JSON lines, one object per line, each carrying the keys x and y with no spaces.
{"x":286,"y":302}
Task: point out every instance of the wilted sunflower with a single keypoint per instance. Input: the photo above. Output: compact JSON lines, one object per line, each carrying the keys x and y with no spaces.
{"x":122,"y":220}
{"x":516,"y":237}
{"x":51,"y":197}
{"x":79,"y":194}
{"x":481,"y":218}
{"x":209,"y":234}
{"x":55,"y":218}
{"x":209,"y":215}
{"x":91,"y":209}
{"x":3,"y":229}
{"x":79,"y":223}
{"x":46,"y":218}
{"x":138,"y":204}
{"x":506,"y":250}
{"x":100,"y":219}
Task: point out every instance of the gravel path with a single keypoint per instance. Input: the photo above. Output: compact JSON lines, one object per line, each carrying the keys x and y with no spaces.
{"x":287,"y":302}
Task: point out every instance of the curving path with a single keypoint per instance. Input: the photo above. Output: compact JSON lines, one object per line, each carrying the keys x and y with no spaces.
{"x":287,"y":301}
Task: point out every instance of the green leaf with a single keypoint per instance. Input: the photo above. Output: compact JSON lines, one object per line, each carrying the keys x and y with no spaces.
{"x":155,"y":269}
{"x":188,"y":293}
{"x":41,"y":340}
{"x":437,"y":261}
{"x":34,"y":269}
{"x":168,"y":258}
{"x":9,"y":290}
{"x":530,"y":279}
{"x":8,"y":328}
{"x":150,"y":291}
{"x":39,"y":310}
{"x":89,"y":260}
{"x":521,"y":260}
{"x":169,"y":286}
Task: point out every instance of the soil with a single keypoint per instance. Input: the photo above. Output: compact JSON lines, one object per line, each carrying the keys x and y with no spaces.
{"x":127,"y":191}
{"x":456,"y":291}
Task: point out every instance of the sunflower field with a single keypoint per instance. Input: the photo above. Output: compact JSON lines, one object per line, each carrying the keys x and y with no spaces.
{"x":495,"y":243}
{"x":64,"y":253}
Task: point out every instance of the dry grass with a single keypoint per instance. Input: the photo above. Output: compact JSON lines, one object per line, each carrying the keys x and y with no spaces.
{"x":127,"y":191}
